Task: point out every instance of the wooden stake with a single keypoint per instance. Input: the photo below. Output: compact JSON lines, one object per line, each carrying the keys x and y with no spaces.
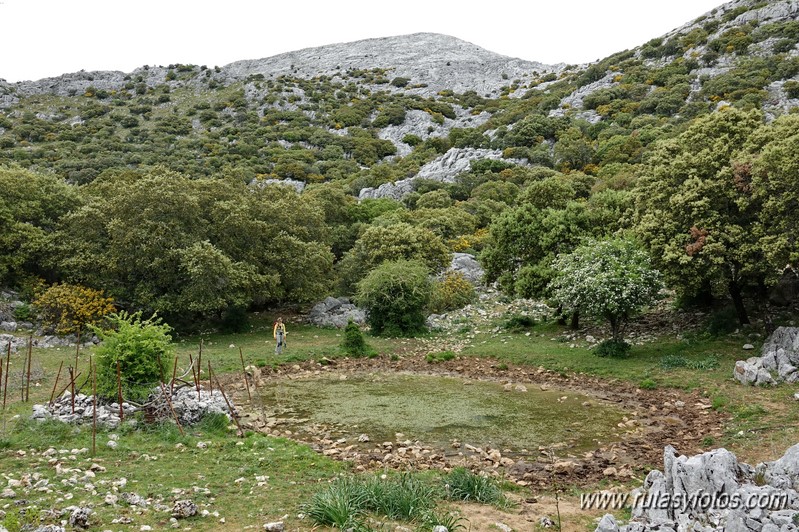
{"x":210,"y":382}
{"x":171,"y":408}
{"x":55,"y":384}
{"x":93,"y":369}
{"x":229,"y":407}
{"x":119,"y":392}
{"x":244,"y":373}
{"x":30,"y":361}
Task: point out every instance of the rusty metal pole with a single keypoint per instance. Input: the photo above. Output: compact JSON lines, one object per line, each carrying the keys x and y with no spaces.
{"x":244,"y":373}
{"x":5,"y":385}
{"x":119,"y":392}
{"x":72,"y":387}
{"x":77,"y":351}
{"x":70,"y":383}
{"x":229,"y":407}
{"x":199,"y":368}
{"x":30,"y":361}
{"x":93,"y":369}
{"x":194,"y":374}
{"x":174,"y":375}
{"x":55,"y":384}
{"x":171,"y":408}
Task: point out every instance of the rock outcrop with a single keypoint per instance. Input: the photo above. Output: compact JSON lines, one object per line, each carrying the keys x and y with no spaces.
{"x":778,"y":363}
{"x":336,"y":312}
{"x":297,"y":185}
{"x":713,"y":492}
{"x":467,"y":265}
{"x":443,"y":169}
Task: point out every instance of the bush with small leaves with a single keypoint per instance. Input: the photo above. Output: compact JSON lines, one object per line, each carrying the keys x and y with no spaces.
{"x":354,"y":344}
{"x":141,"y":348}
{"x":395,"y":294}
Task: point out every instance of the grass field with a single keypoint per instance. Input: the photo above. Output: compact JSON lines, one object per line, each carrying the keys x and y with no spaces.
{"x":226,"y":477}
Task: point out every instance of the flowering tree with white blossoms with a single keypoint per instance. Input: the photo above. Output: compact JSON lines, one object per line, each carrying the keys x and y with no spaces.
{"x":611,"y":279}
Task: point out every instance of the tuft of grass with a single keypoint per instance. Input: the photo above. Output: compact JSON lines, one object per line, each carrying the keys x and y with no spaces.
{"x":345,"y":503}
{"x":719,"y":402}
{"x":648,"y":384}
{"x":341,"y":504}
{"x":673,"y":361}
{"x":613,"y":349}
{"x":443,"y":356}
{"x":404,"y":497}
{"x":213,"y":424}
{"x":463,"y":485}
{"x":451,"y":521}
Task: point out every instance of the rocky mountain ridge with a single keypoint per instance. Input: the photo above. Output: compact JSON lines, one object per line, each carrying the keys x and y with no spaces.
{"x":431,"y":62}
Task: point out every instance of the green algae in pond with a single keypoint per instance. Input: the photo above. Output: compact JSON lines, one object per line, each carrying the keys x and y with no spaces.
{"x":436,"y":410}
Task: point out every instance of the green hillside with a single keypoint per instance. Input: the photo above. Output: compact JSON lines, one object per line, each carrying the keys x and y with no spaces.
{"x":145,"y":185}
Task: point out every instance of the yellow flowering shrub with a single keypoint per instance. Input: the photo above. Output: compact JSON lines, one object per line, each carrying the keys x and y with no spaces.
{"x":72,"y":307}
{"x":452,"y":292}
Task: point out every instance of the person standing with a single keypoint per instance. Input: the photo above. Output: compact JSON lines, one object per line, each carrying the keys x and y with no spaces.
{"x":279,"y":334}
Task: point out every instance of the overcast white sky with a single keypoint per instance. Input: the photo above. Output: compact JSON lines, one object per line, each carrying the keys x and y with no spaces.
{"x":44,"y":38}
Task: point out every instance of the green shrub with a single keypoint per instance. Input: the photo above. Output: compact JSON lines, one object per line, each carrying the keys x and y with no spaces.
{"x":791,"y":88}
{"x":354,"y":344}
{"x":23,"y":312}
{"x":613,"y":349}
{"x":235,"y":320}
{"x":143,"y":349}
{"x":395,"y":294}
{"x":451,"y":293}
{"x":723,"y":321}
{"x":519,"y":323}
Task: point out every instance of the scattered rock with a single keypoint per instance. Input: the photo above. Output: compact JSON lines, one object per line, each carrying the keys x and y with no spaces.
{"x":748,"y":347}
{"x":183,"y":509}
{"x":779,"y":361}
{"x":79,"y":518}
{"x":277,"y":526}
